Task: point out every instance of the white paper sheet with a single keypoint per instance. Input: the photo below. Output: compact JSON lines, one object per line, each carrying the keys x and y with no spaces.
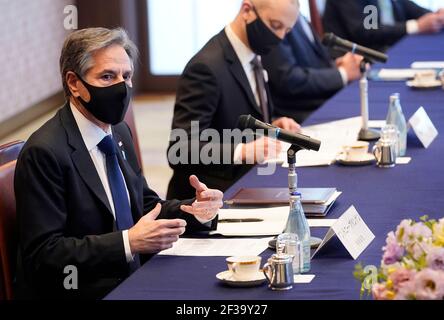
{"x":303,"y":278}
{"x":376,"y":123}
{"x":321,"y":223}
{"x":273,"y":221}
{"x":217,"y":247}
{"x":397,"y":74}
{"x":333,"y":136}
{"x":403,"y":160}
{"x":423,"y":127}
{"x":352,"y":231}
{"x":428,"y":65}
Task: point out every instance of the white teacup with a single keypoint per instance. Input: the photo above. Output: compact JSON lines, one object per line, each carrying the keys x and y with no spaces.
{"x":356,"y":151}
{"x":441,"y":76}
{"x":425,"y":77}
{"x":244,"y":268}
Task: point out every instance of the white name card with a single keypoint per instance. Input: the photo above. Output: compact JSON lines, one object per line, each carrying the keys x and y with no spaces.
{"x":423,"y":127}
{"x":352,"y":231}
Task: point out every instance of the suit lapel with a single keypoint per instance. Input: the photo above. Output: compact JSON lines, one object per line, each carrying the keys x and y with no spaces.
{"x":237,"y":70}
{"x":82,"y":159}
{"x":398,"y":11}
{"x":316,"y":45}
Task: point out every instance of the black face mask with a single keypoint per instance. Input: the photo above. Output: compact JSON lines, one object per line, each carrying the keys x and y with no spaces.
{"x":108,"y":104}
{"x":260,"y":37}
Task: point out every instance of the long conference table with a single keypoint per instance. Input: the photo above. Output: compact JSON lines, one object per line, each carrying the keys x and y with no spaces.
{"x":383,"y":197}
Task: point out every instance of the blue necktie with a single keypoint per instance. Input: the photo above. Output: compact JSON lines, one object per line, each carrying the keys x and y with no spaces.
{"x":122,"y":209}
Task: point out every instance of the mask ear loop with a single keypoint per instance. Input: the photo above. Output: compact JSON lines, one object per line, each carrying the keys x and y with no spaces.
{"x":84,"y":83}
{"x":255,"y":12}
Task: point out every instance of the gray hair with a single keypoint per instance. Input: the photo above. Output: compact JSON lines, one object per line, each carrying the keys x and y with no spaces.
{"x":80,"y":45}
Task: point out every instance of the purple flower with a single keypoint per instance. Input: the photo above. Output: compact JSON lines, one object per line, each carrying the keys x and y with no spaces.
{"x":435,"y":258}
{"x":429,"y":285}
{"x":393,"y":252}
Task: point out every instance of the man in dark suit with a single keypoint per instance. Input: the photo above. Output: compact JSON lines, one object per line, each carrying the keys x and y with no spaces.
{"x":86,"y":216}
{"x":224,"y":80}
{"x":396,"y":18}
{"x":302,"y":75}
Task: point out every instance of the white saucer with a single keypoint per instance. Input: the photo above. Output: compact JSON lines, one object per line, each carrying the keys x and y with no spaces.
{"x":429,"y":85}
{"x":367,"y":159}
{"x":227,"y":278}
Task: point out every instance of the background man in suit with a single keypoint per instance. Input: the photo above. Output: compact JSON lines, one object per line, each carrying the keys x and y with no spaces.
{"x":81,"y":198}
{"x":303,"y":75}
{"x":224,"y":80}
{"x":397,"y":18}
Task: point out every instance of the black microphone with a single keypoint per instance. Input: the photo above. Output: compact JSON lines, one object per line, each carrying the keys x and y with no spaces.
{"x":302,"y":141}
{"x":335,"y":42}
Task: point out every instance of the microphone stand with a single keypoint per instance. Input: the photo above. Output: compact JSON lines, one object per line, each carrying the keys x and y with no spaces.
{"x":365,"y":134}
{"x":292,"y":175}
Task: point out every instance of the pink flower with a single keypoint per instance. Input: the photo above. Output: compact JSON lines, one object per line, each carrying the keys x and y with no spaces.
{"x":406,"y":291}
{"x":380,"y":292}
{"x":400,"y":277}
{"x":435,"y":258}
{"x":393,"y":252}
{"x":429,"y":285}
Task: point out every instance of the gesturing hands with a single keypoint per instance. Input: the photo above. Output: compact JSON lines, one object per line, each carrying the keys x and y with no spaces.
{"x":208,"y":201}
{"x":149,"y":235}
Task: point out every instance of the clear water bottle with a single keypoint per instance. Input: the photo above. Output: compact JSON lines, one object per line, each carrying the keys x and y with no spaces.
{"x":297,"y":223}
{"x":396,"y":117}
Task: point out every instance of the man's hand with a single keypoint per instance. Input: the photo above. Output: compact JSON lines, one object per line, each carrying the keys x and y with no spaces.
{"x":261,"y":149}
{"x":149,"y":235}
{"x":208,"y":201}
{"x":287,"y":124}
{"x":351,"y":64}
{"x":430,"y":23}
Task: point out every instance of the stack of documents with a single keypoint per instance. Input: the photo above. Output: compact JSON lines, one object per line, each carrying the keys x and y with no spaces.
{"x":315,"y":201}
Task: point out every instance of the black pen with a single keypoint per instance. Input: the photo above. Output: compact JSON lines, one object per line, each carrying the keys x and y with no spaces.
{"x":240,"y":220}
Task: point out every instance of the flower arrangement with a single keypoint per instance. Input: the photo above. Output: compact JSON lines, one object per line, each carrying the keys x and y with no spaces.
{"x":412,"y":266}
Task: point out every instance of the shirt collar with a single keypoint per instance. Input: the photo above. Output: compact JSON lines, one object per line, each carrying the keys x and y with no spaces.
{"x":91,"y":133}
{"x":244,"y":53}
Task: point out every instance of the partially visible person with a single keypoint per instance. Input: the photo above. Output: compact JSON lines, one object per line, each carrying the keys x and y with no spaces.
{"x":224,"y":80}
{"x":396,"y":18}
{"x":86,"y":216}
{"x":302,"y":75}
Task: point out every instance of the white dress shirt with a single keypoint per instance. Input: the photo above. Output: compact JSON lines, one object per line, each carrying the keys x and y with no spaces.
{"x":245,"y":55}
{"x":388,"y":17}
{"x":92,"y":135}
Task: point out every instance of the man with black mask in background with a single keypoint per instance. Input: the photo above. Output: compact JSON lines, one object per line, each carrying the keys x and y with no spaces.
{"x":224,"y":80}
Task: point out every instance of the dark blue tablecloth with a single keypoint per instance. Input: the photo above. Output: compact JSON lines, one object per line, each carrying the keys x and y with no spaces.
{"x":383,"y":197}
